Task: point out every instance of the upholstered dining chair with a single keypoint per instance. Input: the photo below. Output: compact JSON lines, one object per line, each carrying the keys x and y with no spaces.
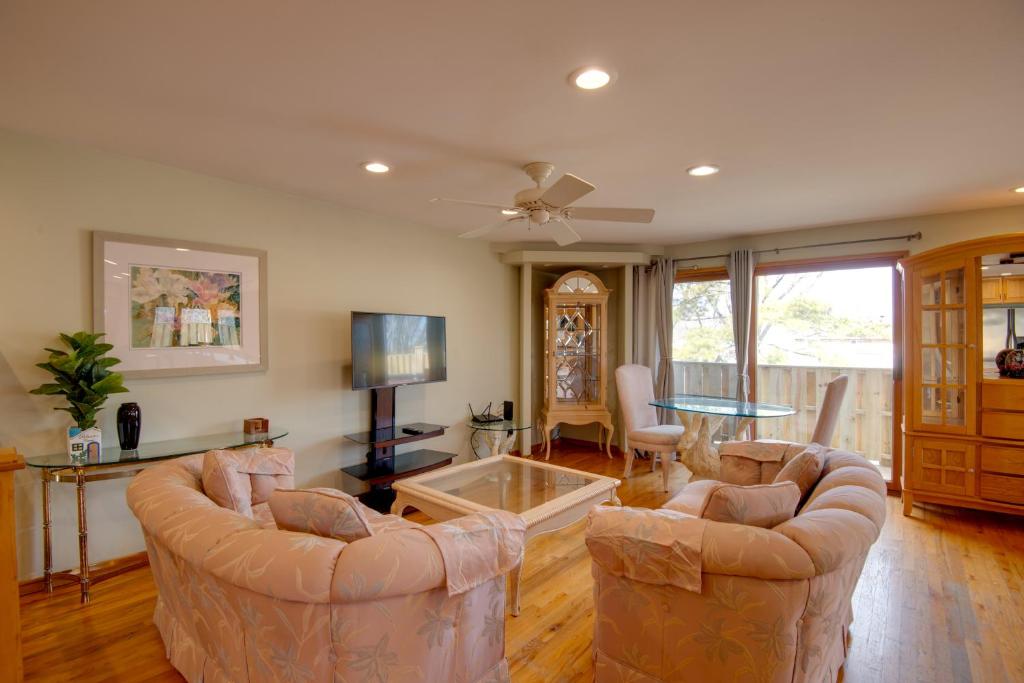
{"x":635,"y":385}
{"x":828,"y":417}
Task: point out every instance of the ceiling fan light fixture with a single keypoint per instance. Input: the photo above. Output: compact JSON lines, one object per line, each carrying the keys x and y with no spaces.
{"x":1019,"y":190}
{"x":703,"y":170}
{"x":590,"y":78}
{"x":376,"y":167}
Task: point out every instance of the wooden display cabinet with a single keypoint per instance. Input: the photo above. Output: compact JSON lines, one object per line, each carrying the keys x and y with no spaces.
{"x":576,"y":357}
{"x":963,"y":424}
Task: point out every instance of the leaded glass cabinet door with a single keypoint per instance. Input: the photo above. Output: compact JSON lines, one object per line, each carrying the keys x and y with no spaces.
{"x":577,"y":352}
{"x":576,"y":318}
{"x":945,"y":389}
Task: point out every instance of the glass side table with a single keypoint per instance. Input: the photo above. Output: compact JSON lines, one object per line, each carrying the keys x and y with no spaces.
{"x":499,"y":436}
{"x":113,"y":463}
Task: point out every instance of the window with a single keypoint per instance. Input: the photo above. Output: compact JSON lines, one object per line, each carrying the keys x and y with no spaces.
{"x":703,"y":350}
{"x":813,"y":326}
{"x":811,"y":323}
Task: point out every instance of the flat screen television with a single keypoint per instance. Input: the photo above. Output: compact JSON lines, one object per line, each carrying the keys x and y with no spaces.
{"x":394,"y":349}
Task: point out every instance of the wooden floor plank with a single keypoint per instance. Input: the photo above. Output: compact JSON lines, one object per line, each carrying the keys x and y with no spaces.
{"x":939,"y":600}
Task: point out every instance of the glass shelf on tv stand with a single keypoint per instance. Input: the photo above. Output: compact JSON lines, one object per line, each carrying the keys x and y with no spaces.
{"x":389,"y":436}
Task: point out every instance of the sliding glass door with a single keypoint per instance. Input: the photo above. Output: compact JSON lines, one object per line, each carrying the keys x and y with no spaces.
{"x":815,"y":325}
{"x":813,"y":321}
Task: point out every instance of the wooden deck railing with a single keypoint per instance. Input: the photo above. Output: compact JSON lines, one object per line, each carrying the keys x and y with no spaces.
{"x":865,"y":420}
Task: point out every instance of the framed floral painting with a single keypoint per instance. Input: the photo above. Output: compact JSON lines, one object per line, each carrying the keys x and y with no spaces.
{"x":172,"y":307}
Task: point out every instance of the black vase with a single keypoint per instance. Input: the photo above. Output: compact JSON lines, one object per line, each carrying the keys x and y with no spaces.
{"x":129,"y":426}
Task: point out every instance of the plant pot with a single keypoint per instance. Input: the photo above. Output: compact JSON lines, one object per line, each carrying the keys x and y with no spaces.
{"x":129,"y":426}
{"x":84,"y":444}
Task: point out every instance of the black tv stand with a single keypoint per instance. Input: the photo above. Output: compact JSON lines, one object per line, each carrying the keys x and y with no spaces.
{"x":382,"y":465}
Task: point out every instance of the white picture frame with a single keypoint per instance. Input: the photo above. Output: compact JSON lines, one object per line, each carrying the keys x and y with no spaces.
{"x":175,"y":308}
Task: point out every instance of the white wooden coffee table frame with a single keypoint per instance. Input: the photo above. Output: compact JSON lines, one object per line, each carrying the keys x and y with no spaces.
{"x":546,"y":518}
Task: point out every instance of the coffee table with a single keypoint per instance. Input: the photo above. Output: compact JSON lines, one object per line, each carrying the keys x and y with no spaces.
{"x":547,"y":497}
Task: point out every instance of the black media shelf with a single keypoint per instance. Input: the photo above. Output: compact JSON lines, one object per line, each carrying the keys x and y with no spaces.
{"x":383,"y":465}
{"x":405,"y":465}
{"x":390,"y":436}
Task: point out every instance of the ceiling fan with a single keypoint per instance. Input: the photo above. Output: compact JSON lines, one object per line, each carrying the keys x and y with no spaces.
{"x":551,"y":206}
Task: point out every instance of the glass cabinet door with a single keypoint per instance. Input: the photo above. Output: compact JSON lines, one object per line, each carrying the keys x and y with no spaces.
{"x":945,"y":372}
{"x":577,"y":353}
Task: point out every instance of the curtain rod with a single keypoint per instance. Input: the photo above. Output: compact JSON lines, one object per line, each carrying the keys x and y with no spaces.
{"x":778,"y":250}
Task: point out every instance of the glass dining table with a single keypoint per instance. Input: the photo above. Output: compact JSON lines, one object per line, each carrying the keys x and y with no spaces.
{"x":703,"y":416}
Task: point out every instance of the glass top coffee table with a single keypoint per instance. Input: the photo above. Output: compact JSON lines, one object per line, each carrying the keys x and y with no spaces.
{"x":547,"y":497}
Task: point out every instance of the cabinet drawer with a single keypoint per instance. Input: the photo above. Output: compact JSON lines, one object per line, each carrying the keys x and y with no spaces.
{"x":1002,"y":396}
{"x":1002,"y":425}
{"x":1002,"y":488}
{"x":1002,"y":460}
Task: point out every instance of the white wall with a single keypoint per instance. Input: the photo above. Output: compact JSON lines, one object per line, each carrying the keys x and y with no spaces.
{"x":936,"y":230}
{"x":323,"y":261}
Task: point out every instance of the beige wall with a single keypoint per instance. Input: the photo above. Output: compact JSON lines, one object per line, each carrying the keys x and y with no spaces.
{"x":324,"y":261}
{"x":936,"y":230}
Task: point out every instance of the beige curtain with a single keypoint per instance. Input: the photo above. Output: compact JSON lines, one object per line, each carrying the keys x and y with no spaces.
{"x":741,"y":285}
{"x":652,"y":326}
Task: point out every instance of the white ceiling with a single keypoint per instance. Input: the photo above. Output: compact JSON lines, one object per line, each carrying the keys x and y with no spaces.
{"x":818,"y":112}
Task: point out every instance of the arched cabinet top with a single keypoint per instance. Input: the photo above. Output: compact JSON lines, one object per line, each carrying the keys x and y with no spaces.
{"x":1008,"y":243}
{"x":578,"y":282}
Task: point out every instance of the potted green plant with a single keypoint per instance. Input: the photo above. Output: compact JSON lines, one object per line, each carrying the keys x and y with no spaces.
{"x":82,"y":375}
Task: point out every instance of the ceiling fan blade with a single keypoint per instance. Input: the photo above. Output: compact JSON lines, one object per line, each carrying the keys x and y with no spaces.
{"x":595,"y":213}
{"x":566,"y":190}
{"x":480,"y":232}
{"x":470,"y":203}
{"x":562,"y":232}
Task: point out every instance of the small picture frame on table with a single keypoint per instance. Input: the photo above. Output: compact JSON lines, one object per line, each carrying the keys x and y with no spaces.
{"x":175,"y":308}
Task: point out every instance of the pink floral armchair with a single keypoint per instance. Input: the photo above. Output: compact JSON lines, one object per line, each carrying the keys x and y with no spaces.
{"x":679,"y":598}
{"x":239,"y":600}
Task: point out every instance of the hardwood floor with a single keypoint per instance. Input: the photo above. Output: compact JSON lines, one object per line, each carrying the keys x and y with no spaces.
{"x":939,"y":600}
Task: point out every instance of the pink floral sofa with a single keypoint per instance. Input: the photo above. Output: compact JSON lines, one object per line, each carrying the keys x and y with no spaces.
{"x":684,"y":598}
{"x":239,"y":600}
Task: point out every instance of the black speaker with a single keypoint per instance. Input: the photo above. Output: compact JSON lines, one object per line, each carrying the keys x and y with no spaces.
{"x":507,"y":410}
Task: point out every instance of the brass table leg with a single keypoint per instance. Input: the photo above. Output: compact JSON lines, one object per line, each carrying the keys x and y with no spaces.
{"x":47,"y":538}
{"x":83,"y":536}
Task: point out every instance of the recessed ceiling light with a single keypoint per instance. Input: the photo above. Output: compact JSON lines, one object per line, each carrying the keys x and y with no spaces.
{"x":509,"y":212}
{"x":1019,"y":190}
{"x":376,"y":167}
{"x":590,"y":78}
{"x":702,"y":170}
{"x":181,"y":249}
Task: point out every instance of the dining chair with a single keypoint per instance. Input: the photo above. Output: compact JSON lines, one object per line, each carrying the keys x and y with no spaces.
{"x":635,"y":385}
{"x":828,"y":416}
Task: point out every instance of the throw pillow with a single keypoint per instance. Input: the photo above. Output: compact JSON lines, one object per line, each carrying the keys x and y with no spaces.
{"x":239,"y":479}
{"x":763,"y":505}
{"x":804,"y":469}
{"x":324,"y":512}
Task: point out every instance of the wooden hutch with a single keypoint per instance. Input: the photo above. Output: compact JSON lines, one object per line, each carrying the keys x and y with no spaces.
{"x":576,"y":356}
{"x":964,"y":424}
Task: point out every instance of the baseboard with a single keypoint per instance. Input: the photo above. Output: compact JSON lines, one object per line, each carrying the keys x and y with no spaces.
{"x":580,"y":443}
{"x":104,"y":570}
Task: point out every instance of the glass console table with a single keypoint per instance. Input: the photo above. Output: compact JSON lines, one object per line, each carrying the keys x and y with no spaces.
{"x":703,"y":417}
{"x":500,"y":435}
{"x":113,"y":463}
